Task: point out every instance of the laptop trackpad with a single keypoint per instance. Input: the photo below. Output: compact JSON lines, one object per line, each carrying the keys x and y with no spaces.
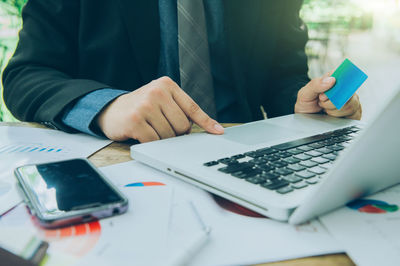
{"x":257,"y":133}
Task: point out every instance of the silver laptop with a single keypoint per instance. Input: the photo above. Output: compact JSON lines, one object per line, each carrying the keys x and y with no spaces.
{"x":291,"y":168}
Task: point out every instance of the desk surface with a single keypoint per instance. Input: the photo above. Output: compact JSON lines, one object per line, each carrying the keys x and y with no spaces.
{"x":119,"y":153}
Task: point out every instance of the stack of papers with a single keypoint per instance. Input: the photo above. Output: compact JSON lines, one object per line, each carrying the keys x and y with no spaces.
{"x":160,"y":222}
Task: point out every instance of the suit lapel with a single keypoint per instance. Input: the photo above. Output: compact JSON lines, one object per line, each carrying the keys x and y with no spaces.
{"x":141,"y":18}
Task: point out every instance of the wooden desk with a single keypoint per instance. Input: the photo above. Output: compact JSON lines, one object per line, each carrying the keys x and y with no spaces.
{"x":119,"y":153}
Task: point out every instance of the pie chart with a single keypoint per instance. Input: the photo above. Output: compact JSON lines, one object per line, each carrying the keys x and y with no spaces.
{"x":76,"y":240}
{"x":372,"y":206}
{"x":145,"y":184}
{"x":235,"y":208}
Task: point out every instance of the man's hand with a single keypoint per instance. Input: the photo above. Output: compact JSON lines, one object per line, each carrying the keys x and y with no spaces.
{"x":312,"y":99}
{"x":158,"y":110}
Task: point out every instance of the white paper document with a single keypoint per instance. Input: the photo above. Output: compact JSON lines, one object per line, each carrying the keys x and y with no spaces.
{"x":160,"y":223}
{"x":24,"y":145}
{"x":369,"y":228}
{"x":137,"y":237}
{"x":235,"y":239}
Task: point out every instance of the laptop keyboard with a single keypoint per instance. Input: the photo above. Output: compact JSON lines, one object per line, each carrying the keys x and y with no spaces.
{"x":289,"y":166}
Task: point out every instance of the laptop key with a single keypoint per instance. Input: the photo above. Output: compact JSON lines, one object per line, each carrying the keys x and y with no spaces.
{"x":299,"y":142}
{"x":320,"y":160}
{"x":330,"y":156}
{"x":335,"y":147}
{"x":302,"y":156}
{"x":283,"y":154}
{"x":317,"y":170}
{"x":212,"y":163}
{"x":337,"y":140}
{"x":269,"y":176}
{"x":259,"y":160}
{"x":330,"y":142}
{"x":255,"y":180}
{"x":308,"y":163}
{"x":238,"y":156}
{"x":266,"y":151}
{"x":296,"y":167}
{"x":278,"y":164}
{"x":236,"y":167}
{"x":276,"y":184}
{"x":227,"y":161}
{"x":285,"y":190}
{"x":294,"y":151}
{"x":346,"y":138}
{"x":240,"y":175}
{"x":267,"y":183}
{"x":312,"y":181}
{"x":300,"y":185}
{"x":324,"y":150}
{"x":246,"y":174}
{"x":305,"y":174}
{"x":250,"y":170}
{"x":283,"y":171}
{"x":316,"y":145}
{"x":291,"y":160}
{"x":252,"y":154}
{"x":313,"y":153}
{"x":305,"y":148}
{"x":272,"y":158}
{"x":265,"y":167}
{"x":292,"y":178}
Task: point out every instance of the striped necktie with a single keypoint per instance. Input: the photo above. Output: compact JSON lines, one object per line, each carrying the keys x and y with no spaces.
{"x":194,"y":56}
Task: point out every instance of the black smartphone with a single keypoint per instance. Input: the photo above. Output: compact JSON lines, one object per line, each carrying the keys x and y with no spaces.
{"x":68,"y":192}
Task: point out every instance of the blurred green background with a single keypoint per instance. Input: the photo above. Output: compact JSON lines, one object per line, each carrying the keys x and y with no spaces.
{"x":365,"y":31}
{"x":10,"y":23}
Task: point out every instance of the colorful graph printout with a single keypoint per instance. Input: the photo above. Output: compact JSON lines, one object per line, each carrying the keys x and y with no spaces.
{"x":235,"y":208}
{"x":28,"y":148}
{"x":144,"y":184}
{"x":76,"y":240}
{"x":372,"y":206}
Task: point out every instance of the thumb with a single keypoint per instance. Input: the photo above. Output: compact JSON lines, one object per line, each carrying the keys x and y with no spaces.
{"x":315,"y":87}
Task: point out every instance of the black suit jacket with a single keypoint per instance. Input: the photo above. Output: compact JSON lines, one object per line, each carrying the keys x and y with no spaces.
{"x":68,"y":48}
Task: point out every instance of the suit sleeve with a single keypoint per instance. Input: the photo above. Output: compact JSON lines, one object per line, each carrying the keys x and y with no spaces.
{"x":42,"y":78}
{"x":290,"y":59}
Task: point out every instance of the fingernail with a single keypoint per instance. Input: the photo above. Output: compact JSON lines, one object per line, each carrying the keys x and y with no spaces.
{"x":328,"y":80}
{"x":323,"y":97}
{"x":218,"y":127}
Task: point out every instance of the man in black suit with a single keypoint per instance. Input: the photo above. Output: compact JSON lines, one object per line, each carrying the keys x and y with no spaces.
{"x":117,"y":67}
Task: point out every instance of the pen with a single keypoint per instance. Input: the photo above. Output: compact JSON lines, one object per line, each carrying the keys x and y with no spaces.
{"x":195,"y":245}
{"x":192,"y":249}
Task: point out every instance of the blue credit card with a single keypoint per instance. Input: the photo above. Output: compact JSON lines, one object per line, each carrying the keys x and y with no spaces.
{"x":348,"y":79}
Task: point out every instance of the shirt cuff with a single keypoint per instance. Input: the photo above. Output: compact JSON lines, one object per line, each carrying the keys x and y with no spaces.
{"x":81,"y":115}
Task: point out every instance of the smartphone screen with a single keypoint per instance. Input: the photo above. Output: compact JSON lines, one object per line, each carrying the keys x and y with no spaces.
{"x":66,"y":186}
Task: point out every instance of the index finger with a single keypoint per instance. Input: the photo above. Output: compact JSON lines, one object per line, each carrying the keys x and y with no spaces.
{"x":195,"y":113}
